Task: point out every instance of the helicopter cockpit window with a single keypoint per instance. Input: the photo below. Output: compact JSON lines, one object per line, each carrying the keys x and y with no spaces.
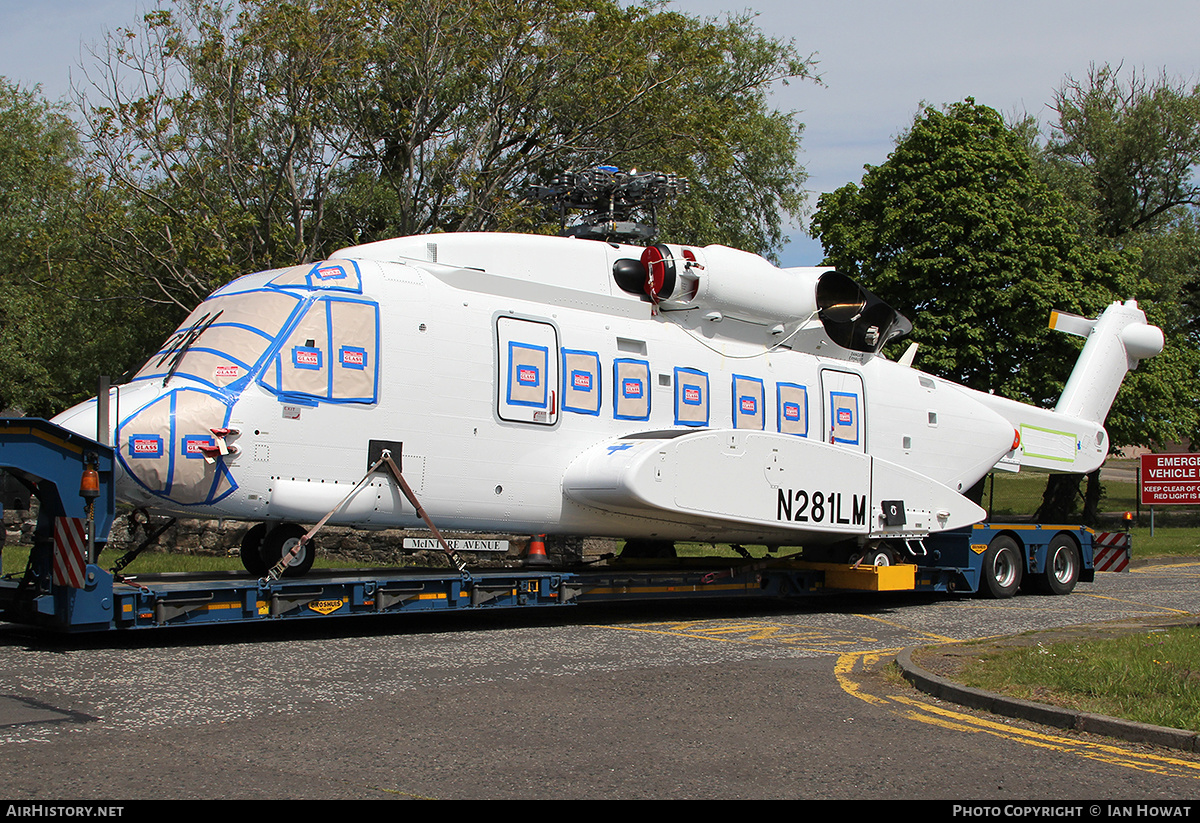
{"x":221,"y":342}
{"x":331,"y":354}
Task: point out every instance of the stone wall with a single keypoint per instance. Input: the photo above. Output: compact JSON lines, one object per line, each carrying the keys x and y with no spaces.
{"x":383,"y":548}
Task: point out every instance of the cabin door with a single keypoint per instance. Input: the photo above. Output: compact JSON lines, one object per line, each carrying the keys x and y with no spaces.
{"x":844,"y":410}
{"x":527,"y":359}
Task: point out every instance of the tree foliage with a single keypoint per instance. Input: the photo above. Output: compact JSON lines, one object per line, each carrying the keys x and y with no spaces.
{"x":1126,"y":152}
{"x":982,"y":229}
{"x":1136,"y":145}
{"x":268,"y":132}
{"x":957,"y":230}
{"x":57,"y":329}
{"x":37,"y":152}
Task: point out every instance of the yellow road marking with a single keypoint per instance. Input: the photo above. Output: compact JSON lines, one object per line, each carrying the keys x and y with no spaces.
{"x":845,"y":665}
{"x":1163,"y":567}
{"x":750,"y":632}
{"x":938,"y":637}
{"x":924,"y":711}
{"x":916,"y":709}
{"x":1134,"y":603}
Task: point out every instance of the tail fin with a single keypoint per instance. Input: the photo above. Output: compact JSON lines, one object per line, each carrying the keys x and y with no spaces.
{"x":1116,"y":342}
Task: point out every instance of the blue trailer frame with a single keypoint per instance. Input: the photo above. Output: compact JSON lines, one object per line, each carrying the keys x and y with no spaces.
{"x":51,"y":461}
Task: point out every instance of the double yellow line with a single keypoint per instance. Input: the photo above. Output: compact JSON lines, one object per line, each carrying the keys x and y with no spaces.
{"x":851,"y":668}
{"x":850,"y":665}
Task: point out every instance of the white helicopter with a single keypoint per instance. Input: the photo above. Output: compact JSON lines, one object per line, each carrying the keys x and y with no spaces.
{"x":578,"y":385}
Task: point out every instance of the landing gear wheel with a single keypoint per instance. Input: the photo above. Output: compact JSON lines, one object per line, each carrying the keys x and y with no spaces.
{"x":251,"y":551}
{"x":1002,"y":568}
{"x":1062,"y":566}
{"x":879,"y":556}
{"x":279,"y":541}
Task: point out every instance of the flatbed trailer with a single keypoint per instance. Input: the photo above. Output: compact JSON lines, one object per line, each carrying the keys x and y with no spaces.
{"x":64,"y":589}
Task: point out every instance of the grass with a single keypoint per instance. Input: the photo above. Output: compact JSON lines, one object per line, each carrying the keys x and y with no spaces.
{"x":1149,"y":678}
{"x":1173,"y":541}
{"x":1167,"y":542}
{"x":1019,"y":495}
{"x":16,"y":557}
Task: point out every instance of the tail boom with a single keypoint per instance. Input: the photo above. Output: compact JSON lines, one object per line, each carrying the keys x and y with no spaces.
{"x":1071,"y":437}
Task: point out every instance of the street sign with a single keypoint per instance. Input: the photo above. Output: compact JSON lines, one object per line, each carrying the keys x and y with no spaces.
{"x":1170,"y":479}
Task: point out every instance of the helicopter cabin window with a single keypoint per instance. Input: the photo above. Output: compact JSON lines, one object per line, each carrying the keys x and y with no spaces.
{"x":527,"y":371}
{"x":843,"y":417}
{"x":581,"y":382}
{"x":792,"y":406}
{"x":749,"y":397}
{"x":631,"y":389}
{"x":845,"y":412}
{"x":691,"y":397}
{"x":845,"y":409}
{"x":331,"y":354}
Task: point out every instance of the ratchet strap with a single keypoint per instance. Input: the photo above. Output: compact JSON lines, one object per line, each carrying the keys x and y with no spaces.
{"x":385,"y":461}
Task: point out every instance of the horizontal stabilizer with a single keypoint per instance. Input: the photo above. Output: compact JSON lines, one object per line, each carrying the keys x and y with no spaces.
{"x":1071,"y":323}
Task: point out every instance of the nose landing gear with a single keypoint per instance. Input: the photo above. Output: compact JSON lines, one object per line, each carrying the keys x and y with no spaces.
{"x":262,"y":548}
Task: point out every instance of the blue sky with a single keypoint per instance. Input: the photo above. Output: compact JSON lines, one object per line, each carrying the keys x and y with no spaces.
{"x":879,"y":60}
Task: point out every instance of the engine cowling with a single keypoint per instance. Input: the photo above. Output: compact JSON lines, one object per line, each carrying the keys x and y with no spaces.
{"x":746,"y":287}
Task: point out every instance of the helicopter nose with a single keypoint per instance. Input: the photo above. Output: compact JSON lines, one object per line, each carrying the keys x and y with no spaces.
{"x":175,"y":446}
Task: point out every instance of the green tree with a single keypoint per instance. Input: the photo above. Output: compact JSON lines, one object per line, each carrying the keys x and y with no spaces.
{"x":1134,"y":144}
{"x":957,"y":231}
{"x":266,"y":132}
{"x":993,"y":229}
{"x":1126,"y":152}
{"x":59,"y":325}
{"x":214,"y":131}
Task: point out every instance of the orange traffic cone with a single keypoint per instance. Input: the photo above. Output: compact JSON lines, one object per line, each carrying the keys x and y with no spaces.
{"x":536,"y":554}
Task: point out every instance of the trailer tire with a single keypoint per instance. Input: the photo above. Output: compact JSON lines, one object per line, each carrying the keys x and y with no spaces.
{"x":280,"y":540}
{"x":251,"y":551}
{"x":1062,"y":566}
{"x":1002,"y":568}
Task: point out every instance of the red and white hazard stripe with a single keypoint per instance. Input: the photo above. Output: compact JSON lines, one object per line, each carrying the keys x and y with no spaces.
{"x":70,"y":551}
{"x":1110,"y":551}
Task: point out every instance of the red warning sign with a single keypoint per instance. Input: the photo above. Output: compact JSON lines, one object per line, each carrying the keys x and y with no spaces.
{"x":1170,"y":479}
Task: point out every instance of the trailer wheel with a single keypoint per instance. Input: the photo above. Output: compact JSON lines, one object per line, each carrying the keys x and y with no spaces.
{"x":1062,"y":566}
{"x":280,"y":540}
{"x":1002,"y":568}
{"x":251,"y":552}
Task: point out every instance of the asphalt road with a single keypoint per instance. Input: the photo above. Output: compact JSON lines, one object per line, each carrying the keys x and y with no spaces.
{"x":719,"y":702}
